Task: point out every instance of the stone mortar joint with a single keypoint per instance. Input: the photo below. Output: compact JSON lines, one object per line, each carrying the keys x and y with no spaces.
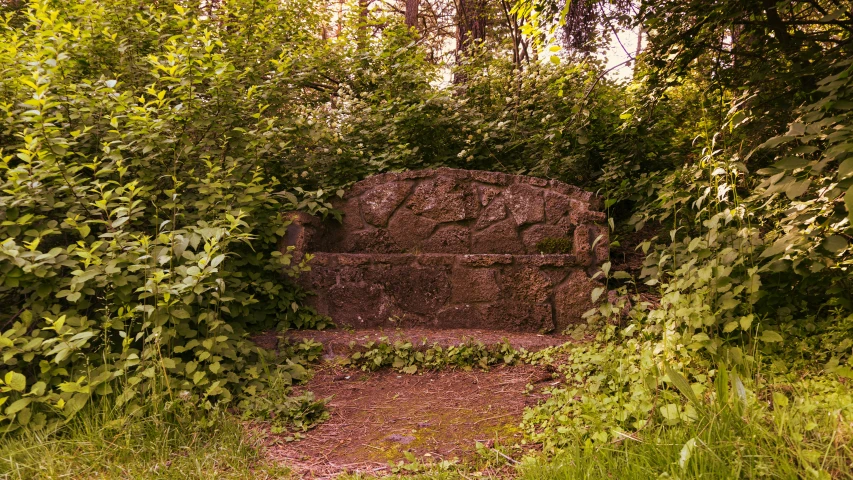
{"x":450,"y":248}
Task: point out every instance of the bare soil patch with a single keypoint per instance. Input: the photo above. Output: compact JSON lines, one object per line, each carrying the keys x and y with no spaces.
{"x":375,"y":417}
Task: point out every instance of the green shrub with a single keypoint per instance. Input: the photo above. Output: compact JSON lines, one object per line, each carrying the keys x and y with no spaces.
{"x":138,"y":228}
{"x":408,"y":358}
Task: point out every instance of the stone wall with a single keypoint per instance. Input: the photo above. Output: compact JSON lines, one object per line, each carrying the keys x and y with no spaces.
{"x":454,"y":249}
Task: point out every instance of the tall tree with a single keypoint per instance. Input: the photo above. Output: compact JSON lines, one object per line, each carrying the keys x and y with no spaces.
{"x":412,"y":13}
{"x":470,"y":24}
{"x":776,"y":51}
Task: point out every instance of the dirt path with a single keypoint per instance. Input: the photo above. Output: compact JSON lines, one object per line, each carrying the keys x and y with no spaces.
{"x":376,"y":417}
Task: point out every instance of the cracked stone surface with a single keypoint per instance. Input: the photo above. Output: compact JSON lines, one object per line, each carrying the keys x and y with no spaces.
{"x":452,"y":248}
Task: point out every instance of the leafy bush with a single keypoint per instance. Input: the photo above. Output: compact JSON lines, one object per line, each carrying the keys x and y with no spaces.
{"x":148,"y":153}
{"x":407,"y":358}
{"x":741,"y":313}
{"x":546,"y":120}
{"x":138,"y":229}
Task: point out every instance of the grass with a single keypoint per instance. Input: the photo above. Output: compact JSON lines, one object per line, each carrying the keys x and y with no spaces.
{"x":720,"y":445}
{"x":765,"y":437}
{"x":168,"y":441}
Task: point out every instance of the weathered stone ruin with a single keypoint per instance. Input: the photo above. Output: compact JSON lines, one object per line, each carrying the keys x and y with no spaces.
{"x":454,"y":249}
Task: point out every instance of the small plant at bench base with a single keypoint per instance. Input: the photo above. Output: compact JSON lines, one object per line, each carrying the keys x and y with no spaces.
{"x":406,"y":358}
{"x":554,"y":245}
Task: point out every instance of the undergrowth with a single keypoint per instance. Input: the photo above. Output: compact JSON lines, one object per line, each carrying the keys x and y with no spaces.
{"x":148,"y":149}
{"x":406,"y":357}
{"x":165,"y":439}
{"x":785,"y":430}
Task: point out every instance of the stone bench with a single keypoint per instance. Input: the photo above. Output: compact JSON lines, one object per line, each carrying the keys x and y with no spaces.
{"x":453,"y":248}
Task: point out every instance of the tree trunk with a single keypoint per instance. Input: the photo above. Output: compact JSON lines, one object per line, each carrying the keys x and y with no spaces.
{"x":470,"y":24}
{"x":362,"y":33}
{"x":412,"y":13}
{"x":639,"y":43}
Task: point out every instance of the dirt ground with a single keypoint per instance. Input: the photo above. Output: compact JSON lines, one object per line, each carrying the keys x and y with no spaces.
{"x":376,"y":417}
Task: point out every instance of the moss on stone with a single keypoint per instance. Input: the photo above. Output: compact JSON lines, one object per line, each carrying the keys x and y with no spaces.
{"x":554,"y":245}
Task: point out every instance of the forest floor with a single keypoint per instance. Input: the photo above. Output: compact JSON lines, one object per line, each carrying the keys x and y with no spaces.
{"x":382,"y":419}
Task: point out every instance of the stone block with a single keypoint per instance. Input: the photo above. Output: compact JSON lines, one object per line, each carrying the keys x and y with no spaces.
{"x":548,"y":260}
{"x":555,"y":274}
{"x":370,"y":183}
{"x":499,"y":238}
{"x":526,"y":284}
{"x":494,"y":212}
{"x":587,"y":216}
{"x":445,"y":199}
{"x":572,"y":299}
{"x":493,"y":178}
{"x":379,"y":203}
{"x":583,"y":245}
{"x":435,"y":259}
{"x":416,"y":174}
{"x":485,"y":260}
{"x":456,"y":173}
{"x":370,"y":241}
{"x":536,"y":233}
{"x":460,"y":316}
{"x":350,"y":214}
{"x":564,"y":188}
{"x":488,"y":193}
{"x":354,"y":259}
{"x":409,"y":230}
{"x":525,"y":203}
{"x":557,"y":206}
{"x":535,"y":181}
{"x":448,"y":239}
{"x":418,"y":290}
{"x":474,"y":285}
{"x":359,"y":304}
{"x":520,"y":316}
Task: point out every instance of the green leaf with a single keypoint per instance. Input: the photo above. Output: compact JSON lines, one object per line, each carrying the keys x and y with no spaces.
{"x":791,"y":163}
{"x":770,"y":336}
{"x":795,"y":189}
{"x":682,"y":385}
{"x":835,"y":243}
{"x":18,"y":405}
{"x":16,"y":381}
{"x":721,"y":382}
{"x":686,"y":453}
{"x":845,"y":170}
{"x":775,"y":141}
{"x":75,"y":403}
{"x":746,"y":322}
{"x":670,"y":412}
{"x":779,"y":399}
{"x":848,"y":202}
